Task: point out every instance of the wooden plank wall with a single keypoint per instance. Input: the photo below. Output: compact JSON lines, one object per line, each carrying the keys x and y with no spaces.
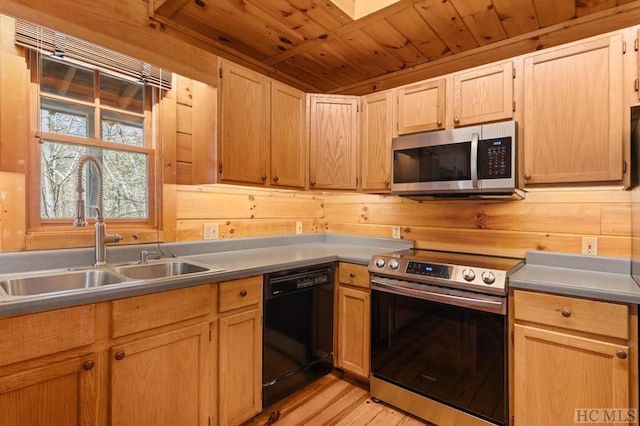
{"x":550,"y":220}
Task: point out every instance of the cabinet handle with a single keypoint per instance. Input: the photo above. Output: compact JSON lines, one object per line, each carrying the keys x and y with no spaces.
{"x":275,"y":178}
{"x":243,"y":293}
{"x":352,"y":275}
{"x":566,"y":313}
{"x":621,"y":354}
{"x":386,"y":183}
{"x":88,"y":365}
{"x":527,"y":177}
{"x":263,"y":177}
{"x":119,"y":355}
{"x":439,"y":123}
{"x":313,"y":182}
{"x":456,"y":119}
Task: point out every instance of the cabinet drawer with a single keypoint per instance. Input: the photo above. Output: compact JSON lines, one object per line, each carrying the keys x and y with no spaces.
{"x":140,"y":313}
{"x":604,"y":318}
{"x":30,"y":336}
{"x":357,"y":275}
{"x":239,"y":293}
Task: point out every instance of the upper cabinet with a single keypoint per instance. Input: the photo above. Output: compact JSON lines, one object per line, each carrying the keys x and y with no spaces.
{"x":262,"y":130}
{"x":421,"y":106}
{"x":483,"y":94}
{"x":243,"y":148}
{"x":333,"y":141}
{"x":573,"y":114}
{"x":375,"y":144}
{"x":288,"y":136}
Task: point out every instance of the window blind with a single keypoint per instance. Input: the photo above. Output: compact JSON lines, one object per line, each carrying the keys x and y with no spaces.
{"x":59,"y":44}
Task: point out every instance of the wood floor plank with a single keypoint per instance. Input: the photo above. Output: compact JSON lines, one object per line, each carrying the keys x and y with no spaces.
{"x":314,"y":406}
{"x":362,"y":415}
{"x":338,"y":407}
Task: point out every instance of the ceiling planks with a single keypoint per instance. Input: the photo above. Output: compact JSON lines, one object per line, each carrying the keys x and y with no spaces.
{"x":315,"y":42}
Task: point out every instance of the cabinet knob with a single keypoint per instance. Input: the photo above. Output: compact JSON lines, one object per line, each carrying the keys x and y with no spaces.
{"x":88,"y":365}
{"x":276,"y":178}
{"x":527,"y":177}
{"x":263,"y":177}
{"x":456,"y":119}
{"x":243,"y":293}
{"x":119,"y":355}
{"x":313,"y":182}
{"x":386,"y":183}
{"x":566,"y":313}
{"x":621,"y":354}
{"x":439,"y":123}
{"x":352,"y":275}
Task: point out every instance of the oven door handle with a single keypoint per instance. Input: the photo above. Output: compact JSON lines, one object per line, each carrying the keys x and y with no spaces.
{"x":481,"y":304}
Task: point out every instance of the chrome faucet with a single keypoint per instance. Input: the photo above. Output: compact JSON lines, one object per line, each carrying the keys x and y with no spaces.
{"x":101,"y":236}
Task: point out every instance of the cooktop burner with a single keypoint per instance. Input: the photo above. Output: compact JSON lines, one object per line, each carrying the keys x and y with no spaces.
{"x":486,"y":274}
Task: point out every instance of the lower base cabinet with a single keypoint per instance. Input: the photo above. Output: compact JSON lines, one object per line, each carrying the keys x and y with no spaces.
{"x":162,"y":380}
{"x":61,"y":393}
{"x":575,"y":361}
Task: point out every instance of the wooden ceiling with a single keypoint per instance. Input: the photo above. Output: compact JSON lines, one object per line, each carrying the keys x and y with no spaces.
{"x":314,"y":45}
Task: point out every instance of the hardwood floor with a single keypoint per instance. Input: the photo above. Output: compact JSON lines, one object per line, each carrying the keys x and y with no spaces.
{"x":334,"y":399}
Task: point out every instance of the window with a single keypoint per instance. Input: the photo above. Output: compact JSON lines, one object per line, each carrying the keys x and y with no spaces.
{"x":81,"y":111}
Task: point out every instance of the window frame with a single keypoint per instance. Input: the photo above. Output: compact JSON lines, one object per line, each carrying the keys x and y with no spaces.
{"x":151,"y":147}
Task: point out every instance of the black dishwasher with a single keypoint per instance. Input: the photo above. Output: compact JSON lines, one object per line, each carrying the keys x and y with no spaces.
{"x":297,"y":330}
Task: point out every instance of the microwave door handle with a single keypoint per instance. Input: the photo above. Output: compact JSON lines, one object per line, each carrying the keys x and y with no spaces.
{"x":474,"y":160}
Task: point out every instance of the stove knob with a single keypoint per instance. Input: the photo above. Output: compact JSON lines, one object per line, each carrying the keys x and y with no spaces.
{"x":488,"y":277}
{"x":393,"y":264}
{"x":380,"y":262}
{"x":468,"y":274}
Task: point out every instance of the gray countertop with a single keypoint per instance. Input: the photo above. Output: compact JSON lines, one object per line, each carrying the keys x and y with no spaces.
{"x":238,"y":257}
{"x":593,"y":277}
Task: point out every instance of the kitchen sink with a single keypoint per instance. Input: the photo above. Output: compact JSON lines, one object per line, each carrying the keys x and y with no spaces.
{"x":53,"y":283}
{"x":149,"y":271}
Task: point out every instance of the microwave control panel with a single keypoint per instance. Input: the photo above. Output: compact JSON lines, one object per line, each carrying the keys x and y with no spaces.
{"x":494,"y":158}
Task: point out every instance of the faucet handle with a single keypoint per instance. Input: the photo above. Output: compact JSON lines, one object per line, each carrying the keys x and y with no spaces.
{"x":144,"y":254}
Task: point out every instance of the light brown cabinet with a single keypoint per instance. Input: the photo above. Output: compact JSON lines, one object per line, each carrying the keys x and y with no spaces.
{"x":375,"y":144}
{"x":421,"y":106}
{"x":243,"y":143}
{"x":162,"y":380}
{"x":240,"y":350}
{"x":483,"y":94}
{"x":573,"y":122}
{"x":333,"y":141}
{"x":288,"y":136}
{"x":354,"y":317}
{"x":572,"y":354}
{"x":262,"y":136}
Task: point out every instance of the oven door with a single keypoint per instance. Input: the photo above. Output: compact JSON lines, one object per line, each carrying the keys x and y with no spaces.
{"x":446,"y":345}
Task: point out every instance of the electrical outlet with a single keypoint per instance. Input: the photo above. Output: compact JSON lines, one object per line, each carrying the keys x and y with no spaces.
{"x":396,"y":232}
{"x":590,"y":245}
{"x":210,"y":231}
{"x":298,"y":227}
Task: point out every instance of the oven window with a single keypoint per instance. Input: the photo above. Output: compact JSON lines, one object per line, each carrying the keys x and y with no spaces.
{"x":450,"y":162}
{"x":451,"y":354}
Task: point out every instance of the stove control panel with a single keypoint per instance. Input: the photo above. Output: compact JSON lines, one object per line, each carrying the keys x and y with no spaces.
{"x":456,"y":276}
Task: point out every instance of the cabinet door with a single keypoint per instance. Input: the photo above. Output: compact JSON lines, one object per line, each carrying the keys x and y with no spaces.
{"x":354,"y":319}
{"x":243,"y":153}
{"x":377,"y":131}
{"x":483,"y":95}
{"x":333,"y":142}
{"x":62,"y":393}
{"x":421,"y":107}
{"x":240,"y":367}
{"x":288,"y":141}
{"x":162,"y":380}
{"x":573,"y":119}
{"x":557,"y":373}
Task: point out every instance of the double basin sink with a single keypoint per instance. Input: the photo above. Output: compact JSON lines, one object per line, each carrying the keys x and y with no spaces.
{"x":39,"y":283}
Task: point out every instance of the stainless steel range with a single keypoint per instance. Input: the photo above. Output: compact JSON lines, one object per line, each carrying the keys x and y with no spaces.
{"x":439,"y":335}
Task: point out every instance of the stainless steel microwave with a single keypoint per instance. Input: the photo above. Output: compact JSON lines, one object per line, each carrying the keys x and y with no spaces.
{"x":469,"y":161}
